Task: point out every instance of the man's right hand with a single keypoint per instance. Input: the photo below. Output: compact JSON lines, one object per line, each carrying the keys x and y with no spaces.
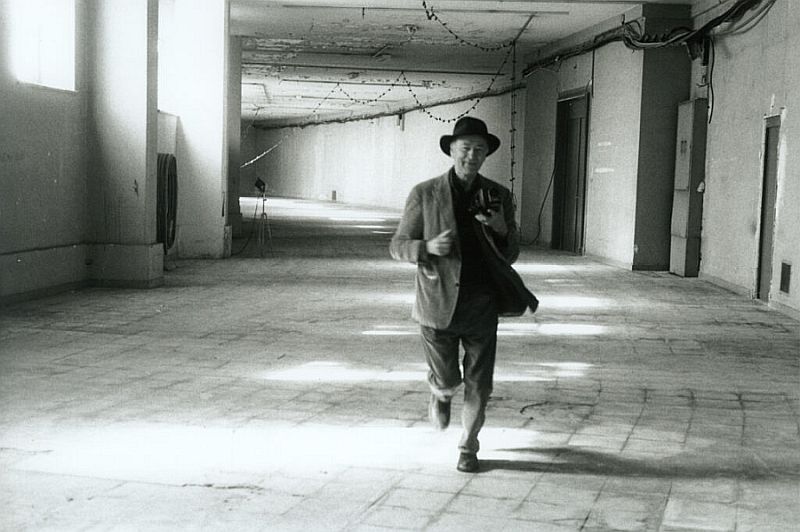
{"x":440,"y":245}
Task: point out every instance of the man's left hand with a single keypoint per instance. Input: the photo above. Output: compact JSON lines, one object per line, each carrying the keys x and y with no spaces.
{"x":495,"y":220}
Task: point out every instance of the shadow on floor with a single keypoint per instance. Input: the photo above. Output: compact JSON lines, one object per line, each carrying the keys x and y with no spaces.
{"x":710,"y":463}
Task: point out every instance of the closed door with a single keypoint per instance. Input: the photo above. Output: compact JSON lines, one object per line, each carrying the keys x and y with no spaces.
{"x":569,"y":181}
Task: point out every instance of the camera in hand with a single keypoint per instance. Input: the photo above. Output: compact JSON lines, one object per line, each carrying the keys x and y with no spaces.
{"x":485,"y":200}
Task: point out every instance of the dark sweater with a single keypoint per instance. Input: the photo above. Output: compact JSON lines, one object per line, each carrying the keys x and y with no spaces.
{"x":473,"y":264}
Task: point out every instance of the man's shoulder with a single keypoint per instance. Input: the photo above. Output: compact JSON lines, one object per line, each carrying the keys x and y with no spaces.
{"x":430,"y":184}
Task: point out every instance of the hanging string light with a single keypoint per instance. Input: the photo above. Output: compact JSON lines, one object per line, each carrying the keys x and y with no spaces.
{"x":511,"y":45}
{"x":424,"y":109}
{"x":513,"y":130}
{"x":432,"y":15}
{"x":395,"y":83}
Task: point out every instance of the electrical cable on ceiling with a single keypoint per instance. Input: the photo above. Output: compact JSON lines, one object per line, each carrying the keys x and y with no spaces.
{"x":738,"y":27}
{"x":392,"y":86}
{"x":630,"y":33}
{"x":432,"y":15}
{"x":512,"y":44}
{"x":423,"y":107}
{"x":699,"y":42}
{"x":402,"y":77}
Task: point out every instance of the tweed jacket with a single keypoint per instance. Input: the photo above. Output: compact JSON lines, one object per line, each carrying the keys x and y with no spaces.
{"x":428,"y":212}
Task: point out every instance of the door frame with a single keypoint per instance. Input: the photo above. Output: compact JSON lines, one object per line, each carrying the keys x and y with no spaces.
{"x":562,"y":98}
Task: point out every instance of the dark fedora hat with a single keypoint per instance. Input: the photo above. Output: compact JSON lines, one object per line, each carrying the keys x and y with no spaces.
{"x":469,"y":126}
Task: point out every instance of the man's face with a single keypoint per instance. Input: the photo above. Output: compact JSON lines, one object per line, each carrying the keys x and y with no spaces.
{"x":468,"y":154}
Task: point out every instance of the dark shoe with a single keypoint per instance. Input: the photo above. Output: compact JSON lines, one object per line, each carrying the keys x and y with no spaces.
{"x":439,"y":412}
{"x":468,"y":463}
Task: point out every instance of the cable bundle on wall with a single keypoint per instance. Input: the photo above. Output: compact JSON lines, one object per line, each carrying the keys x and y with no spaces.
{"x":630,"y":33}
{"x":699,"y":42}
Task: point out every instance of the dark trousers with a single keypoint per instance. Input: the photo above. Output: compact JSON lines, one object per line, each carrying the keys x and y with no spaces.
{"x":474,"y":326}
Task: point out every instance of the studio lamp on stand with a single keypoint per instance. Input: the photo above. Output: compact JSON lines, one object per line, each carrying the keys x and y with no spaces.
{"x":263,"y":221}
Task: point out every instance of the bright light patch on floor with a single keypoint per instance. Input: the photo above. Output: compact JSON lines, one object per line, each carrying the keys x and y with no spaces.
{"x":339,"y":372}
{"x":503,"y":329}
{"x":289,"y":208}
{"x":550,"y":329}
{"x":572,"y":329}
{"x":323,"y":371}
{"x":394,"y":265}
{"x":391,"y":330}
{"x":566,"y":369}
{"x":173,"y":454}
{"x":42,"y":42}
{"x":406,"y":298}
{"x":388,"y":333}
{"x":355,"y":219}
{"x":571,"y":366}
{"x":533,"y":268}
{"x":573,"y":302}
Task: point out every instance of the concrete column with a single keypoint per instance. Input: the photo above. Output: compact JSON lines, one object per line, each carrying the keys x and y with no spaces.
{"x":201,"y":41}
{"x":123,"y":144}
{"x":666,"y":79}
{"x":234,"y":132}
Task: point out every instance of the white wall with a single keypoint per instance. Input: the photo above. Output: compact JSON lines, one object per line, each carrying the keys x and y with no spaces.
{"x":538,"y":152}
{"x":756,"y":74}
{"x":373,"y":162}
{"x":77,"y":168}
{"x":612,"y":166}
{"x":612,"y":148}
{"x":43,"y":186}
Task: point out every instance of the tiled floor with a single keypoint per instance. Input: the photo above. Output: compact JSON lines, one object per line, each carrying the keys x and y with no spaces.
{"x":287,"y":393}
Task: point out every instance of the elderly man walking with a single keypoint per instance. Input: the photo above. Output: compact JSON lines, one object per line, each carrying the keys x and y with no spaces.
{"x":459,"y":229}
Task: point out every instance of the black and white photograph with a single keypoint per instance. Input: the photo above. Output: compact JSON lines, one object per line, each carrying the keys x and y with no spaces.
{"x":400,"y":265}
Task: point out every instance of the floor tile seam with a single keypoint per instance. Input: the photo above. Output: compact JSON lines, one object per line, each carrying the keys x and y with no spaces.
{"x":438,"y":515}
{"x":362,"y":513}
{"x":692,"y":413}
{"x":594,"y":503}
{"x":645,"y":392}
{"x":119,"y":482}
{"x":533,"y":487}
{"x":398,"y":487}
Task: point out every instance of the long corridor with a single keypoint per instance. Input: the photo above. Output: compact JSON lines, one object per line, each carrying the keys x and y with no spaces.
{"x":284,"y":389}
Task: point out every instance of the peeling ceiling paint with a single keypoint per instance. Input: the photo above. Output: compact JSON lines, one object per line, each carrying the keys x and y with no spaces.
{"x":311,"y":60}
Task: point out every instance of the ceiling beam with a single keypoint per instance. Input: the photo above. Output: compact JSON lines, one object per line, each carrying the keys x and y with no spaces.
{"x":246,"y":63}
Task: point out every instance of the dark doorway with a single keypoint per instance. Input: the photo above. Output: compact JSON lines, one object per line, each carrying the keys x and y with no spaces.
{"x":569,"y":180}
{"x":769,"y":195}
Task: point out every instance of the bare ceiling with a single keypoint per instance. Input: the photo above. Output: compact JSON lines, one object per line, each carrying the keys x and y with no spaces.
{"x":310,"y":60}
